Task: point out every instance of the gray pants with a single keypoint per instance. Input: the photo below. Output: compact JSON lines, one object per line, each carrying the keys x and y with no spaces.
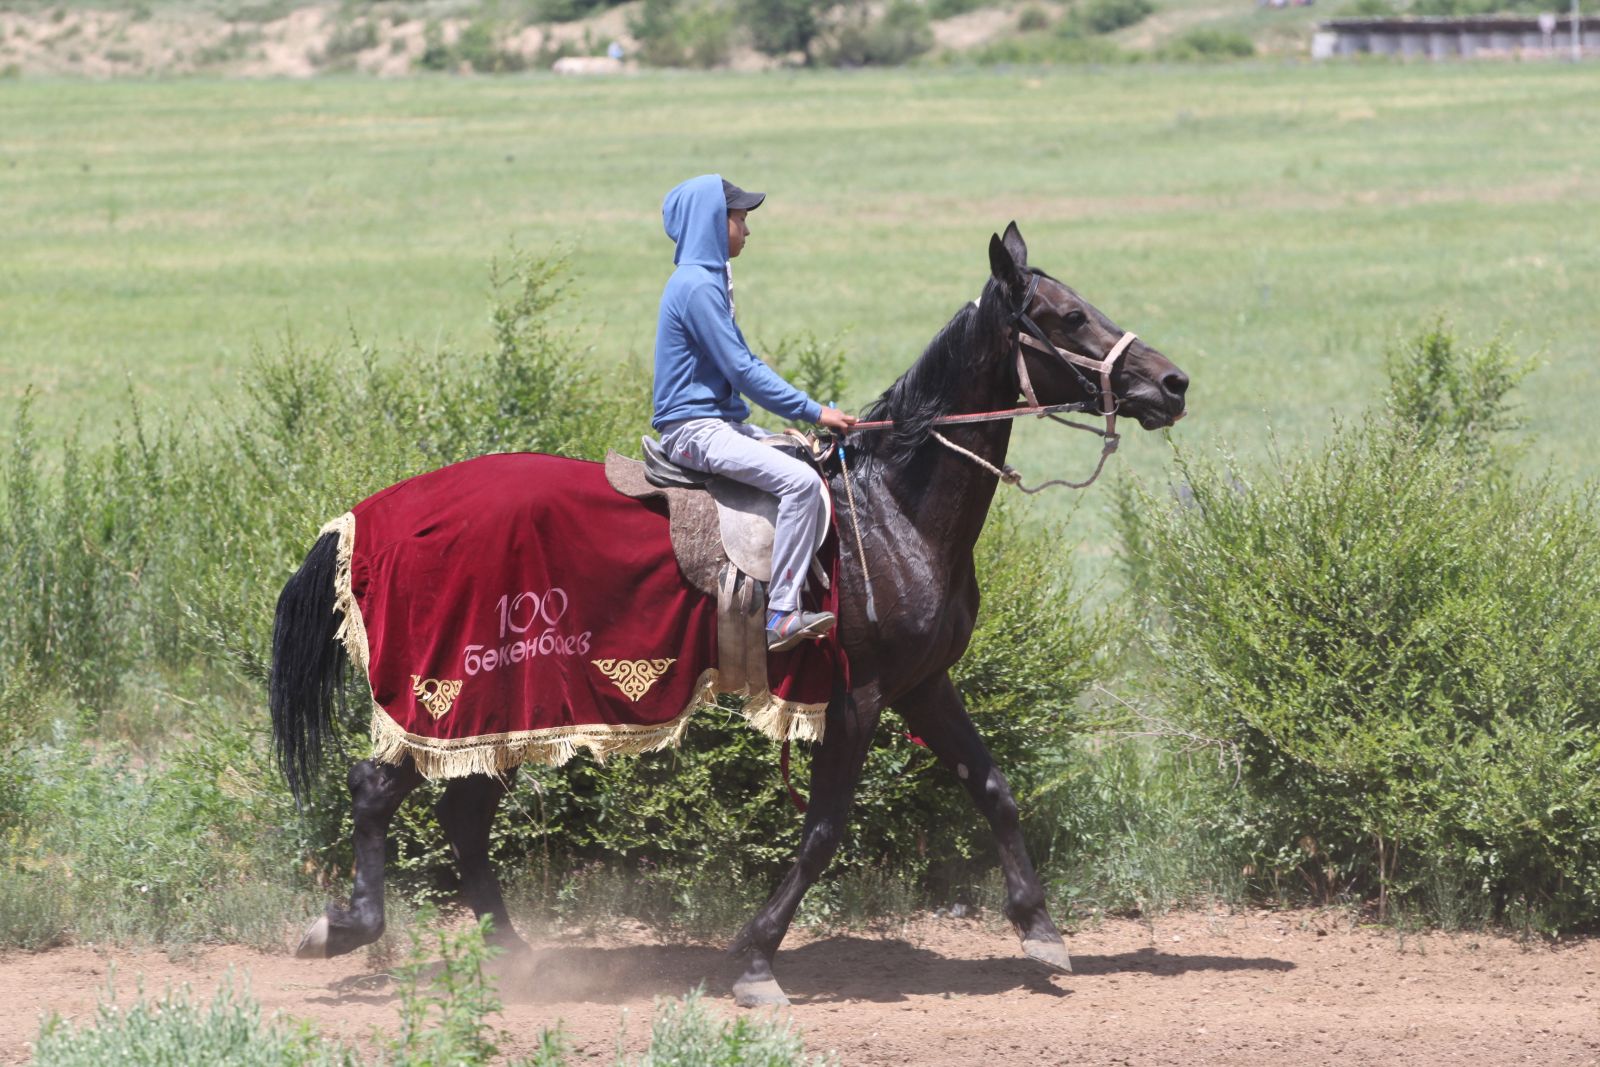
{"x":734,"y":450}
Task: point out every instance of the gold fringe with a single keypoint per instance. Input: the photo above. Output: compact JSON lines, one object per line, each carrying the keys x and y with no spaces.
{"x":497,"y":753}
{"x":353,"y":631}
{"x":439,"y":758}
{"x":786,"y":720}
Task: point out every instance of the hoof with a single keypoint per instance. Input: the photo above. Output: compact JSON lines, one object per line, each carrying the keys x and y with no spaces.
{"x":1052,"y":954}
{"x":314,"y":946}
{"x":759,"y":993}
{"x":512,"y":947}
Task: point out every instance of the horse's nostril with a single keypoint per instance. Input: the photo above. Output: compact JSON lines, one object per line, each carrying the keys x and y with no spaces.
{"x":1176,"y":383}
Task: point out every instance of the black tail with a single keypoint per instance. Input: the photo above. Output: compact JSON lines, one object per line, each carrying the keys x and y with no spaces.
{"x":307,"y":667}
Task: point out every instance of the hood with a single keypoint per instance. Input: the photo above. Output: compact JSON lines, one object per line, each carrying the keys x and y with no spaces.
{"x":695,"y":215}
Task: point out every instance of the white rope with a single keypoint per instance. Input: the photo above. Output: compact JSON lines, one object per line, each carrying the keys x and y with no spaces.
{"x":1010,"y":475}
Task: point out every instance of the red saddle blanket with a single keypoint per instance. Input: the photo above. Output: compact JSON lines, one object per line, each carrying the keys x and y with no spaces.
{"x":516,"y":607}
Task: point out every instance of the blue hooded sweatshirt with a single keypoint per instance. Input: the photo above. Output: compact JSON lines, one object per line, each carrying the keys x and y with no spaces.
{"x":702,"y":360}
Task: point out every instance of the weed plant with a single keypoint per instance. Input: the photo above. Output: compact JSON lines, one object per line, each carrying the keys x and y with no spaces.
{"x":446,"y":998}
{"x":174,"y":1029}
{"x":686,"y":1034}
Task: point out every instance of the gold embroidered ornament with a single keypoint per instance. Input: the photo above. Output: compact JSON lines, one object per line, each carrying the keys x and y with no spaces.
{"x":436,"y":695}
{"x":633,"y":676}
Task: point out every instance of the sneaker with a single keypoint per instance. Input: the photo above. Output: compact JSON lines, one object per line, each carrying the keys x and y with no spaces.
{"x":786,"y":631}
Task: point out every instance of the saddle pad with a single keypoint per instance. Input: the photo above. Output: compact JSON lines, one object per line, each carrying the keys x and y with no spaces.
{"x":513,"y":607}
{"x":719,"y":519}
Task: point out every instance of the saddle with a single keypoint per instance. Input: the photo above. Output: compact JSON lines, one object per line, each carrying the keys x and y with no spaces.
{"x":722,"y":533}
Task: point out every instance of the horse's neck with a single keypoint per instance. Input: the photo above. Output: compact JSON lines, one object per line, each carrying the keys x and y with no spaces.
{"x":945,"y":495}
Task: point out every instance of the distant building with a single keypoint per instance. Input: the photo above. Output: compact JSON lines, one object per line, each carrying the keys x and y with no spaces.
{"x":1482,"y":36}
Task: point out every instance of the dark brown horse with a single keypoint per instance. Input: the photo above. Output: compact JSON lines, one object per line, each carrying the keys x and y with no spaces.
{"x":922,"y":505}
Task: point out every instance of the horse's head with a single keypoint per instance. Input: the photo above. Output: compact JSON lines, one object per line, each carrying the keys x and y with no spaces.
{"x":1064,"y":345}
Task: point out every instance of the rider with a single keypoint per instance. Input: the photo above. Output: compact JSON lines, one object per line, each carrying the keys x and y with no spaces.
{"x":703,"y":364}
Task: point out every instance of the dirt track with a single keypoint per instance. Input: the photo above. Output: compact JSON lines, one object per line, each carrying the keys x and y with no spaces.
{"x":1181,"y":990}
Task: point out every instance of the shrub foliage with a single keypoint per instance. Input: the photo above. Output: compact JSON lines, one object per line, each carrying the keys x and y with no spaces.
{"x":1399,"y":642}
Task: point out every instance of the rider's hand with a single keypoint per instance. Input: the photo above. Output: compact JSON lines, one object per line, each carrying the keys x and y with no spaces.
{"x":835,"y":420}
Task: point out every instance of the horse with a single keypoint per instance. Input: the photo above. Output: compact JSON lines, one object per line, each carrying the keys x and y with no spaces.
{"x":921,"y":487}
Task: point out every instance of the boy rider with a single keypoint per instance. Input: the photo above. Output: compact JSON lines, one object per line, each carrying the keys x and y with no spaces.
{"x":702,"y":364}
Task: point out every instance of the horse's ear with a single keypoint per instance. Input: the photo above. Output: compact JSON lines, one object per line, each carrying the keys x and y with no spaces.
{"x":1016,"y":245}
{"x":1003,"y":265}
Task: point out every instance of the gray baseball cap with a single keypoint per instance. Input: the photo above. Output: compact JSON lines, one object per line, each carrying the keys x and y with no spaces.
{"x":738,"y":199}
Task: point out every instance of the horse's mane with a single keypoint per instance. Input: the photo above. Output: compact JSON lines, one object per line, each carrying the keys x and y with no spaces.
{"x":932,"y":385}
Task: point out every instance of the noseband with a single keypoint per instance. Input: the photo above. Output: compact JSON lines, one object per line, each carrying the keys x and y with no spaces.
{"x":1028,"y":333}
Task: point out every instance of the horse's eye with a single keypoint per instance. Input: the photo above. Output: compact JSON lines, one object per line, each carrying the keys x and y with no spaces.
{"x":1072,"y":320}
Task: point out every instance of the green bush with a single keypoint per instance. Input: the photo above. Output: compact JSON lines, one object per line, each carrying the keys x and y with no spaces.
{"x":779,"y":27}
{"x":1401,"y":648}
{"x":944,"y":9}
{"x":1127,"y":824}
{"x":568,"y":10}
{"x":1033,"y":18}
{"x":1458,"y":400}
{"x":348,"y":39}
{"x":481,"y":47}
{"x":1108,"y":16}
{"x":1066,"y":44}
{"x":1205,"y":44}
{"x":208,"y":856}
{"x":676,"y":34}
{"x":897,"y":36}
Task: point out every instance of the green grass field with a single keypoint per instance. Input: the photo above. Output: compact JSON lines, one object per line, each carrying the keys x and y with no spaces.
{"x":1271,"y":227}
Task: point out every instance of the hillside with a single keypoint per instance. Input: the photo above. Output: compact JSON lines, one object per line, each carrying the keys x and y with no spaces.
{"x":281,"y":38}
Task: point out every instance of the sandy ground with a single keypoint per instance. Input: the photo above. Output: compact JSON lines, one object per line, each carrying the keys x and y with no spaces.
{"x":1187,"y":989}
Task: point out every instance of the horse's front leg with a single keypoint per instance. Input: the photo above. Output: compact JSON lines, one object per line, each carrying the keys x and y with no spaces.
{"x":835,"y":769}
{"x":376,"y":790}
{"x":935,"y":713}
{"x":466,"y":811}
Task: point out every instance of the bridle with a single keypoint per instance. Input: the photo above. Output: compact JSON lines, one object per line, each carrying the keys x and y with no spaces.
{"x":1026,"y":332}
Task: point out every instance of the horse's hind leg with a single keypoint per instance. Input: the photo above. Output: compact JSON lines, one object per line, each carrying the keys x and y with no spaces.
{"x":835,"y":769}
{"x":466,"y":811}
{"x":376,"y":790}
{"x":935,"y":714}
